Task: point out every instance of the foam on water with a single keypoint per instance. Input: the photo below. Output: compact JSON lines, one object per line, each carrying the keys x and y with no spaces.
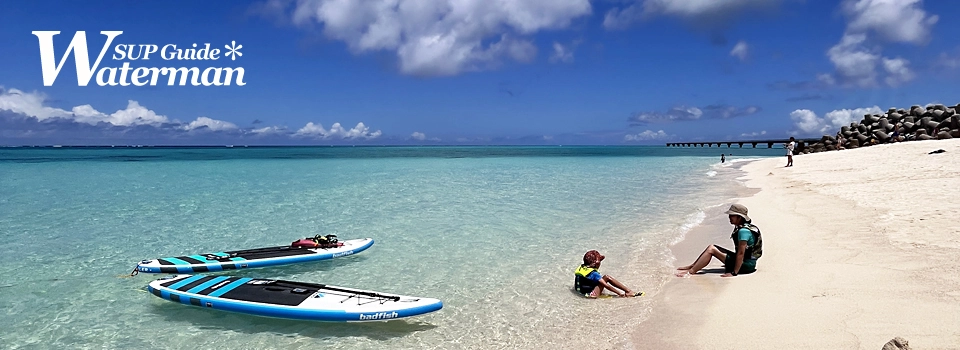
{"x":496,"y":238}
{"x":692,"y":221}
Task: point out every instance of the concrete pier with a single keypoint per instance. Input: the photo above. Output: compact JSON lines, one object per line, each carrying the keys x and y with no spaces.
{"x":801,"y":143}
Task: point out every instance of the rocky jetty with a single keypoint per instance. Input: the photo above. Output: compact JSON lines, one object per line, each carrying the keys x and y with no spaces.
{"x":936,"y":122}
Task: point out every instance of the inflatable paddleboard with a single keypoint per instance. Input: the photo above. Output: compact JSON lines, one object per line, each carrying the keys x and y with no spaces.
{"x":259,"y":257}
{"x":287,"y":299}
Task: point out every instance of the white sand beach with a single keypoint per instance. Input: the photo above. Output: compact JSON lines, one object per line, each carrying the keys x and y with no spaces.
{"x":860,"y":246}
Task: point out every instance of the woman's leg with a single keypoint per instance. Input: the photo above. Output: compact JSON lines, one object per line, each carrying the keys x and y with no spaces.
{"x":703,"y":260}
{"x":695,"y":262}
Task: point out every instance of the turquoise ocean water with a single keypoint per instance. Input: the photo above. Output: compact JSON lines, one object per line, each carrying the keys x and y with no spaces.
{"x":494,"y":232}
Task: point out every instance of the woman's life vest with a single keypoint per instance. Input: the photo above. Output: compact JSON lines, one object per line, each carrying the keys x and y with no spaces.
{"x":756,"y":250}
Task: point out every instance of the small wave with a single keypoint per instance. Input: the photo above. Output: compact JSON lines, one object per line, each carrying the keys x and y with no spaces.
{"x":711,"y":173}
{"x":688,"y":224}
{"x":747,"y":159}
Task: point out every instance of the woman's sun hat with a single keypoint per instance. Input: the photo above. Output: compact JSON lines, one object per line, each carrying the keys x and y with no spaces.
{"x":739,"y":210}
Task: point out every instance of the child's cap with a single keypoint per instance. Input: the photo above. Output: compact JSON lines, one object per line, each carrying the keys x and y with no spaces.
{"x":592,"y":257}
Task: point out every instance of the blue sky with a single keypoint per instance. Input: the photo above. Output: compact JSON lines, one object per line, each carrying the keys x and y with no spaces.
{"x":481,"y":71}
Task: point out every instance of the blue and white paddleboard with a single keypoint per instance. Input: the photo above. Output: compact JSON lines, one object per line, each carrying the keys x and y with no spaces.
{"x":287,"y":299}
{"x":259,"y":257}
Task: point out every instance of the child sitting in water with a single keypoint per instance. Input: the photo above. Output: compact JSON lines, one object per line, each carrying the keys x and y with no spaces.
{"x":591,"y":283}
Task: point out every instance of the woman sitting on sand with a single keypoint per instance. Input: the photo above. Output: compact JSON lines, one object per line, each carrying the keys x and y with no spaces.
{"x":591,"y":284}
{"x":746,"y":237}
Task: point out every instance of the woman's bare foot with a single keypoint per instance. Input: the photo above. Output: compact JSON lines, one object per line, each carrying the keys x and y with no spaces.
{"x":682,"y":273}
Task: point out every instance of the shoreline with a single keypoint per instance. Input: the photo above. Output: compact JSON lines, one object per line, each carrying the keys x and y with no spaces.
{"x":840,"y":270}
{"x":713,"y":229}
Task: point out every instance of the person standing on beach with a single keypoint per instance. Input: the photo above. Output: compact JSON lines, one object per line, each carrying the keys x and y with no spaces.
{"x":589,"y":282}
{"x":789,"y":146}
{"x":746,"y":239}
{"x":722,"y":158}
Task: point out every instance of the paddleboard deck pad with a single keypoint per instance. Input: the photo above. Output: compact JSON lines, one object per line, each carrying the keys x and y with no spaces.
{"x":259,"y":257}
{"x":288,"y":299}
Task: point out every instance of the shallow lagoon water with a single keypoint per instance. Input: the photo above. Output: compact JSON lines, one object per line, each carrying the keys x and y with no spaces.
{"x":493,"y":232}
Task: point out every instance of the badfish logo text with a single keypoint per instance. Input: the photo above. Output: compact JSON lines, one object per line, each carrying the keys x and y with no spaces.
{"x":337,"y":255}
{"x":379,"y":316}
{"x":125,"y":75}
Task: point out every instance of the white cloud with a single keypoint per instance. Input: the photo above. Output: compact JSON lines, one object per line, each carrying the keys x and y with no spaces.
{"x":752,"y":134}
{"x":690,"y":8}
{"x":897,"y":71}
{"x":337,"y":131}
{"x":134,"y":114}
{"x":647,"y":135}
{"x":902,"y":21}
{"x":948,"y":61}
{"x":440,"y":37}
{"x":561,"y":53}
{"x":268,"y":130}
{"x":311,"y":129}
{"x":684,"y":113}
{"x":676,"y":113}
{"x":211,"y":124}
{"x":826,"y":79}
{"x":858,"y":66}
{"x":854,"y":63}
{"x":619,"y":18}
{"x":894,"y":20}
{"x":33,"y":104}
{"x":359,"y":131}
{"x":723,"y":111}
{"x":806,"y":120}
{"x":740,"y":50}
{"x":809,"y":123}
{"x":840,"y":117}
{"x":418,"y":136}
